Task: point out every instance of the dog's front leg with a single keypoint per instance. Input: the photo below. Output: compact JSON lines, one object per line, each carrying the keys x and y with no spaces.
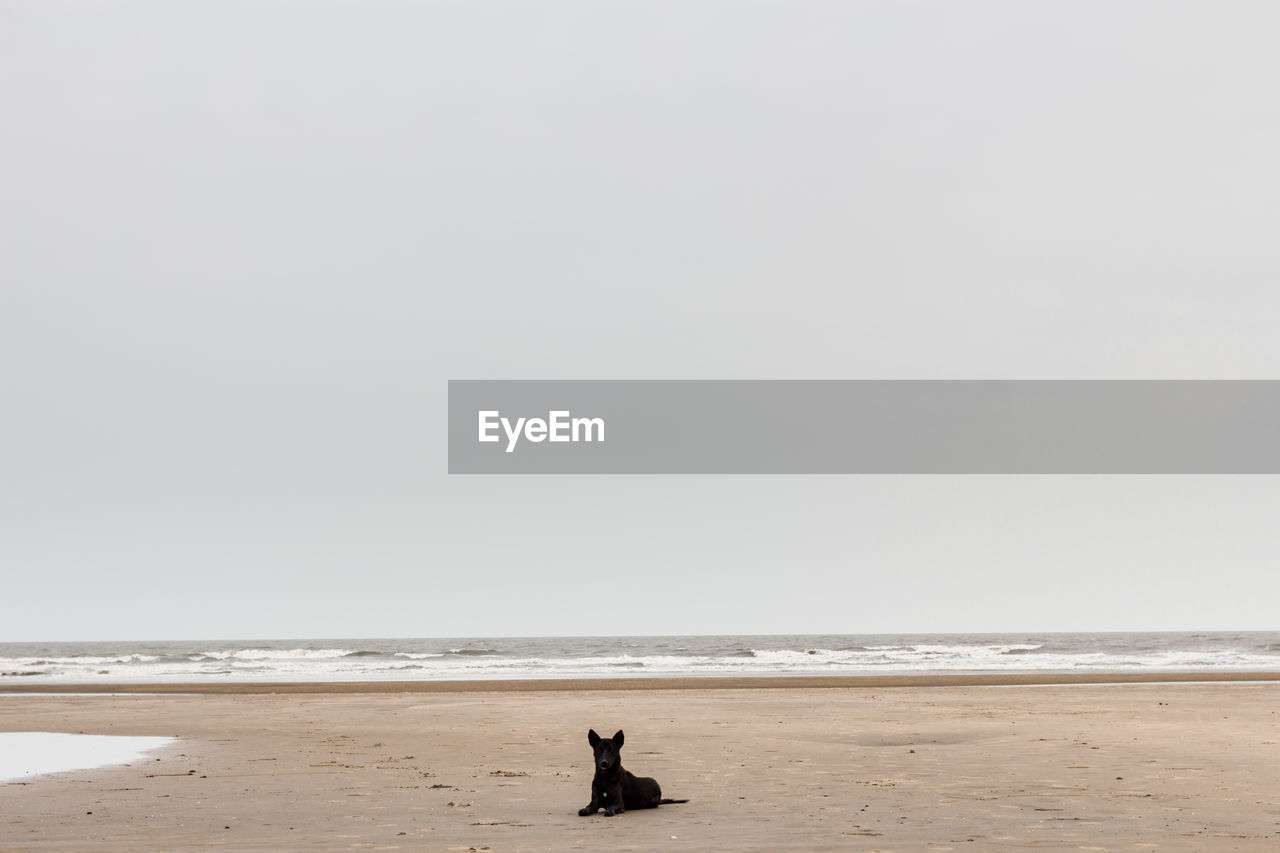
{"x":616,"y":805}
{"x":594,"y":805}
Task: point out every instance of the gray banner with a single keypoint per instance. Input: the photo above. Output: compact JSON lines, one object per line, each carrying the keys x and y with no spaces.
{"x":863,"y":427}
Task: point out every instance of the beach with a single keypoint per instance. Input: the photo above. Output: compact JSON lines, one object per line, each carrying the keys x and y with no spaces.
{"x":789,"y":766}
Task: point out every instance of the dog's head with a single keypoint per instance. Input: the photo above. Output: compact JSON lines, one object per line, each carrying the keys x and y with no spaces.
{"x":606,"y":750}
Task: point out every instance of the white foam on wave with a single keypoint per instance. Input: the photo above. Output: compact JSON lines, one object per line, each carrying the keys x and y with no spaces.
{"x":275,"y":654}
{"x":81,"y":660}
{"x":27,"y":754}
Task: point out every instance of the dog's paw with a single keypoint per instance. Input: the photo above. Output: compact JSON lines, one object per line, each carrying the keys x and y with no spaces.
{"x":584,"y":812}
{"x":609,"y":813}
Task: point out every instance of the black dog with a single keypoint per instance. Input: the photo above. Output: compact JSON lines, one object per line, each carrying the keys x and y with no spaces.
{"x":615,"y":789}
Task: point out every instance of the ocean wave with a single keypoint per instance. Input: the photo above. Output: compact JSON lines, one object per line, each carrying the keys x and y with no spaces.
{"x":272,"y":654}
{"x":446,"y":659}
{"x":84,"y":660}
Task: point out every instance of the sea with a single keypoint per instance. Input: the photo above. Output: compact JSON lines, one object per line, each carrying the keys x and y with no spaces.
{"x":593,"y":657}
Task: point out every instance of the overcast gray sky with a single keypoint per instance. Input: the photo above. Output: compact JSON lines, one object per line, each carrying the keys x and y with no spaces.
{"x":243,"y":245}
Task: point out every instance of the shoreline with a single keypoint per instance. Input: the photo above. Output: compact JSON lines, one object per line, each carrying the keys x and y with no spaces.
{"x":732,"y":682}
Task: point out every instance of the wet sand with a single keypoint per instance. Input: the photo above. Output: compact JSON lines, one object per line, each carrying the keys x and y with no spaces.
{"x":1154,"y":766}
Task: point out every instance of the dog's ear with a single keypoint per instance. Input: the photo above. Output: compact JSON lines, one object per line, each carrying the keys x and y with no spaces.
{"x":617,"y":739}
{"x":592,"y":738}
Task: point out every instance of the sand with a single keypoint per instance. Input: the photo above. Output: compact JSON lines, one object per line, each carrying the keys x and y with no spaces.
{"x":1192,"y":766}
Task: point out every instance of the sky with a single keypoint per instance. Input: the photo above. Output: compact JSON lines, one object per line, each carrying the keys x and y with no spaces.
{"x":244,"y":245}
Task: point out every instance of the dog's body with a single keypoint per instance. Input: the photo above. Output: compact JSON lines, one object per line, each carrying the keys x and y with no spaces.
{"x":614,"y":789}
